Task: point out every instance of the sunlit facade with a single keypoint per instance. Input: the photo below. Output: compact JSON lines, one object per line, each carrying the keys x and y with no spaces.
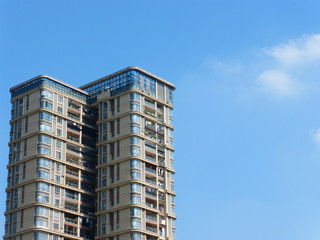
{"x":94,"y":162}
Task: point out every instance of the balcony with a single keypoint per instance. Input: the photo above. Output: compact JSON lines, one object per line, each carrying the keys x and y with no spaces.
{"x":71,"y":183}
{"x":71,"y":206}
{"x":71,"y":220}
{"x":151,"y":181}
{"x":149,"y":103}
{"x":150,"y":170}
{"x":151,"y":229}
{"x":72,"y":173}
{"x":73,"y":116}
{"x":70,"y":230}
{"x":151,"y":217}
{"x":151,"y":157}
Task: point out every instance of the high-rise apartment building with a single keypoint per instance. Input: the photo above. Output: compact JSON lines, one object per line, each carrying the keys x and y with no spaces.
{"x":94,"y":162}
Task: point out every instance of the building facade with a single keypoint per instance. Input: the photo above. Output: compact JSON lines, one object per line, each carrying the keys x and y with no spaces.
{"x":94,"y":162}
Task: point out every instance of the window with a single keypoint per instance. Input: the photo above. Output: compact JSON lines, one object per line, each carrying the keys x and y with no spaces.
{"x":59,"y":132}
{"x":135,"y":107}
{"x":44,"y":151}
{"x":118,"y":171}
{"x":42,"y":198}
{"x":42,"y":162}
{"x":59,"y":143}
{"x":59,"y":120}
{"x":43,"y":174}
{"x":45,"y":104}
{"x":135,"y":118}
{"x":45,"y":116}
{"x":58,"y":155}
{"x":40,"y":223}
{"x":118,"y":104}
{"x":135,"y":212}
{"x":135,"y":187}
{"x":46,"y":94}
{"x":135,"y":175}
{"x":44,"y":139}
{"x":57,"y":190}
{"x":135,"y":236}
{"x":135,"y":129}
{"x":25,"y":147}
{"x":41,"y":236}
{"x":118,"y":220}
{"x":118,"y":126}
{"x":60,"y":110}
{"x":118,"y":148}
{"x":45,"y":127}
{"x":60,"y":98}
{"x":135,"y":223}
{"x":135,"y":96}
{"x":26,"y":125}
{"x":42,"y":186}
{"x":42,"y":211}
{"x":135,"y":151}
{"x":135,"y":163}
{"x":118,"y":195}
{"x":135,"y":141}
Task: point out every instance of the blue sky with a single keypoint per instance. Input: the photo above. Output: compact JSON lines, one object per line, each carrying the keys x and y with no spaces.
{"x":247,"y":119}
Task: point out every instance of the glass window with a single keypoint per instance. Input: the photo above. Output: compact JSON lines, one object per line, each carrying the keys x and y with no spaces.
{"x":135,"y":212}
{"x":46,"y":94}
{"x":136,"y":224}
{"x":135,"y":175}
{"x":135,"y":187}
{"x":135,"y":151}
{"x":45,"y":116}
{"x":43,"y":174}
{"x":41,"y":236}
{"x":42,"y":162}
{"x":135,"y":118}
{"x":135,"y":236}
{"x":135,"y":107}
{"x":41,"y":186}
{"x":135,"y":129}
{"x":45,"y":104}
{"x":135,"y":96}
{"x":135,"y":163}
{"x":135,"y":140}
{"x":42,"y":211}
{"x":44,"y":151}
{"x":42,"y":198}
{"x":40,"y":223}
{"x":44,"y":139}
{"x":45,"y":127}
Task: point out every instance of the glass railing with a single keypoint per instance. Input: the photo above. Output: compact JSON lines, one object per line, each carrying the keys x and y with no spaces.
{"x":71,"y":220}
{"x":72,"y":184}
{"x":150,"y":104}
{"x":153,"y":149}
{"x":72,"y":173}
{"x":151,"y":194}
{"x":74,"y":106}
{"x":151,"y":229}
{"x":73,"y":117}
{"x":72,"y":208}
{"x":151,"y":158}
{"x":152,"y":218}
{"x":148,"y":180}
{"x":151,"y":170}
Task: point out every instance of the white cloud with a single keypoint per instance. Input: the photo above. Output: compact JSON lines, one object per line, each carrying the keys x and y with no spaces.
{"x":298,"y":51}
{"x":295,"y":56}
{"x":228,"y":68}
{"x":316,"y":136}
{"x":277,"y":82}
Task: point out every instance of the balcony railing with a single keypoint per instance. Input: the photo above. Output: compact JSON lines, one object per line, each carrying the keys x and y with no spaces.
{"x":151,"y":170}
{"x":152,"y":218}
{"x":151,"y":229}
{"x":73,"y":117}
{"x":72,"y":173}
{"x":151,"y":181}
{"x":71,"y":220}
{"x":151,"y":194}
